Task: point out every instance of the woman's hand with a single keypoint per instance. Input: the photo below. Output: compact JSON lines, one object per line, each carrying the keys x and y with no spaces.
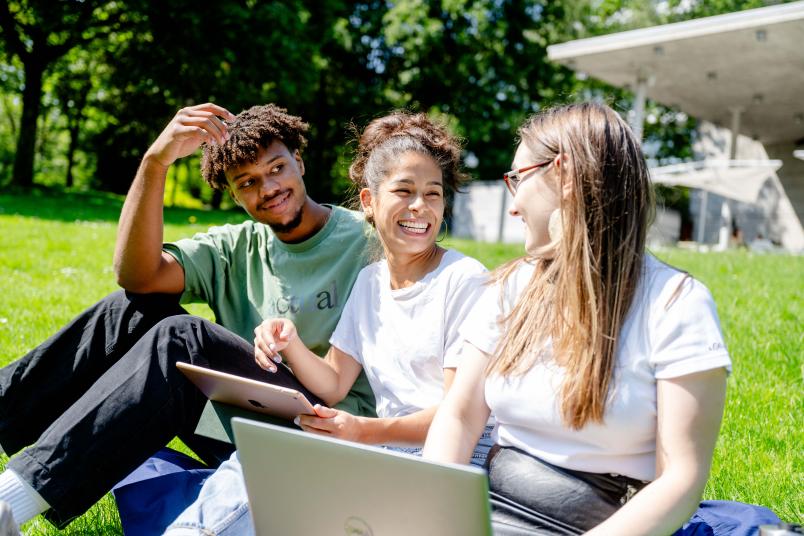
{"x":270,"y":338}
{"x":332,"y":423}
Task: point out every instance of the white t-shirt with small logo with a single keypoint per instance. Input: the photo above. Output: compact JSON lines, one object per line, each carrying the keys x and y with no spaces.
{"x":405,"y":338}
{"x":656,"y":342}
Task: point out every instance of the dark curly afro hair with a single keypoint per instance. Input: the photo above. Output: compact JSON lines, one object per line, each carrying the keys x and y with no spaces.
{"x":250,"y":131}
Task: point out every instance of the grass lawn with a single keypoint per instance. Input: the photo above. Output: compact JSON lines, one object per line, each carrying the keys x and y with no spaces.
{"x":56,"y":257}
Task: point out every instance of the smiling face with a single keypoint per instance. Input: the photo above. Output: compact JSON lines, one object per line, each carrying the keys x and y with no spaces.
{"x":271,"y":189}
{"x":408,"y":206}
{"x":536,"y":198}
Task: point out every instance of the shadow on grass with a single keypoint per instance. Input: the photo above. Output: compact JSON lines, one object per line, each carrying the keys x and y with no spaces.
{"x":69,"y":206}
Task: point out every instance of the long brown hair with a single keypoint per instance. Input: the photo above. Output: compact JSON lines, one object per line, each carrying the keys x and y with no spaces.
{"x":579,"y":297}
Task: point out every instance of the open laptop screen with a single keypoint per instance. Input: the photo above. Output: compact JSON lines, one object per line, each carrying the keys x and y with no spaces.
{"x":301,"y":483}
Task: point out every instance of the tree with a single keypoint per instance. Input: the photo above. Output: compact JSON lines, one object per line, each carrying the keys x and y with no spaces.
{"x":481,"y":64}
{"x":72,"y":87}
{"x":345,"y":90}
{"x":10,"y":85}
{"x":38,"y":32}
{"x":234,"y":53}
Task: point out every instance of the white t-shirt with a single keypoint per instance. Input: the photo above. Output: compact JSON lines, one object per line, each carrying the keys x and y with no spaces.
{"x":655,"y":343}
{"x":405,"y":338}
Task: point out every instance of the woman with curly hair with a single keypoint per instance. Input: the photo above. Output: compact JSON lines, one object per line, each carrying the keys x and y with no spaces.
{"x":399,"y":325}
{"x":604,"y":368}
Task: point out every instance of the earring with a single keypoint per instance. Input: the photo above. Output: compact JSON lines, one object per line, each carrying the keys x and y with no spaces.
{"x":446,"y":231}
{"x":555,"y":227}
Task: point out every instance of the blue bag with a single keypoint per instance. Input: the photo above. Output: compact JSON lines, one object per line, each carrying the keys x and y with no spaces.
{"x":160,"y":489}
{"x":727,"y":518}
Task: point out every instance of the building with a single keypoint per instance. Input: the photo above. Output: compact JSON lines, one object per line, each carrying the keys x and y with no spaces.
{"x":742,"y":75}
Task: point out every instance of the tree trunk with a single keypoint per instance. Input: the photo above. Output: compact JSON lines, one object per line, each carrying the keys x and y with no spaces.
{"x":26,"y":142}
{"x":74,"y":125}
{"x":74,"y":132}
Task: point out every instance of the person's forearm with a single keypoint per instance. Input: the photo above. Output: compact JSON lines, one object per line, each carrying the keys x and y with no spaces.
{"x":463,"y":414}
{"x":410,"y":430}
{"x":659,"y":509}
{"x":451,"y":439}
{"x":138,"y":250}
{"x":315,"y":373}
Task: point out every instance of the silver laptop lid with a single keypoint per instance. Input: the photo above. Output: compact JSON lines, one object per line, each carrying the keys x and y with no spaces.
{"x":303,"y":484}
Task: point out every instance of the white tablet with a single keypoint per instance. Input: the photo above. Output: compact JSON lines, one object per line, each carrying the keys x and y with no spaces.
{"x":246,"y":393}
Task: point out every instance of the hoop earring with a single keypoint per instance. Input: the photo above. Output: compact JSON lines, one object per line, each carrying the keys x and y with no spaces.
{"x":555,"y":227}
{"x":446,"y":231}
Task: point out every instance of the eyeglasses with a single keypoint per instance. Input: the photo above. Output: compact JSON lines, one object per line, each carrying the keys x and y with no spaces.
{"x":514,"y":177}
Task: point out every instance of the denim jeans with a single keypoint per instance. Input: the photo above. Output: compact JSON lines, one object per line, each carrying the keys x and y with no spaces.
{"x":222,"y":508}
{"x":103,"y":394}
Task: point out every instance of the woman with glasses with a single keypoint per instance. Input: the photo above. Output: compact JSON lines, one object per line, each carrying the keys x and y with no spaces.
{"x":604,"y":368}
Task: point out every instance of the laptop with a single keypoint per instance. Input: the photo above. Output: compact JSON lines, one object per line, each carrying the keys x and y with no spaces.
{"x":304,"y":484}
{"x":247,"y":393}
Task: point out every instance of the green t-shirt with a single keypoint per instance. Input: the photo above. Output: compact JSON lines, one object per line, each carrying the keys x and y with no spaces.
{"x":246,"y":275}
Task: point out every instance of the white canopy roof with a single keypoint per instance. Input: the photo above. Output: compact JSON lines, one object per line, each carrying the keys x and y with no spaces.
{"x":735,"y":179}
{"x":752,"y":60}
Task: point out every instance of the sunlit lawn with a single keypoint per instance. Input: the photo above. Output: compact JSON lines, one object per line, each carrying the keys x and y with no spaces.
{"x":56,"y":256}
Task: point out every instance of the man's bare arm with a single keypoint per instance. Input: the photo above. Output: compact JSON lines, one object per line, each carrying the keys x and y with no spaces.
{"x":139,"y":262}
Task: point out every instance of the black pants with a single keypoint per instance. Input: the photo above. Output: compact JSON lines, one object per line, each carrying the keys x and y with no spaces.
{"x":531,"y":496}
{"x":98,"y":398}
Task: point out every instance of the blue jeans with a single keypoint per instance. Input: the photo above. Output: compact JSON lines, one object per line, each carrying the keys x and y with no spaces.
{"x":222,"y":506}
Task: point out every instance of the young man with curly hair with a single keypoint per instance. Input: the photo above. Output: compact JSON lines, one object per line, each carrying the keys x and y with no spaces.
{"x":103,"y":394}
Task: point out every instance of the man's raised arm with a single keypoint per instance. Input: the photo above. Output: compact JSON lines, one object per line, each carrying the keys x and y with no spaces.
{"x":139,"y":262}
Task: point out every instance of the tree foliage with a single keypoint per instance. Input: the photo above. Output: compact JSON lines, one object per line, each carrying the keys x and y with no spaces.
{"x":37,"y":33}
{"x":103,"y":77}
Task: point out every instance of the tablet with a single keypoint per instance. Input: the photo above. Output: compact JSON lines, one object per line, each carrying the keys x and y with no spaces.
{"x":246,"y":393}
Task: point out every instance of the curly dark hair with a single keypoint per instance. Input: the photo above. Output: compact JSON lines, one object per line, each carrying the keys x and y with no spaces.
{"x":250,"y":131}
{"x":385,"y":138}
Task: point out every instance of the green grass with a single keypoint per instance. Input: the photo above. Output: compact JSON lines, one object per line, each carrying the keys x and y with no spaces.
{"x":56,"y":258}
{"x":760,"y":299}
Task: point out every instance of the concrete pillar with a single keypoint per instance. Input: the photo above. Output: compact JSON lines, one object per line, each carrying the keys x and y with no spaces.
{"x":503,"y":213}
{"x":724,"y":235}
{"x":702,"y":217}
{"x":736,"y":116}
{"x":789,"y":215}
{"x":638,"y":117}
